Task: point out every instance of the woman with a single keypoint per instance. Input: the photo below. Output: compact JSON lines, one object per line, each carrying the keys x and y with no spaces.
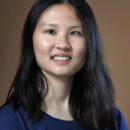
{"x":62,"y":82}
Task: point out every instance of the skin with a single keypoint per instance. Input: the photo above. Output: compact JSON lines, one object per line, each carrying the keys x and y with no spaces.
{"x":59,"y":32}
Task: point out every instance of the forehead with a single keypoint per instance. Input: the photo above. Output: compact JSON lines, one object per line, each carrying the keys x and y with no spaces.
{"x":60,"y":13}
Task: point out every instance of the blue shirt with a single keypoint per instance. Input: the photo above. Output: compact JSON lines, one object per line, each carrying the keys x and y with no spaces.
{"x":11,"y":120}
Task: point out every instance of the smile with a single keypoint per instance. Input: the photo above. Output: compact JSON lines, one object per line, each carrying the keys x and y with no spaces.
{"x":61,"y":58}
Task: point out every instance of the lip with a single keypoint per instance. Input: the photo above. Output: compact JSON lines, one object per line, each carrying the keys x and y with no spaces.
{"x":61,"y":62}
{"x":61,"y":55}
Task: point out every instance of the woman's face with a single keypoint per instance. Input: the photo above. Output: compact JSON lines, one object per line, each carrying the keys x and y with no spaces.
{"x":59,"y":41}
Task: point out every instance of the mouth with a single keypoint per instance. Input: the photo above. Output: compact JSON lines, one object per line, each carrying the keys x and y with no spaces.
{"x":61,"y":58}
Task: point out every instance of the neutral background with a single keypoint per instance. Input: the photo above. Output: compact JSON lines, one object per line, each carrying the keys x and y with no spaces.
{"x":113,"y":18}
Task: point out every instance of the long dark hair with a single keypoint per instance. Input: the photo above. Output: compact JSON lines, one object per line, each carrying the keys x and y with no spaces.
{"x":92,"y":96}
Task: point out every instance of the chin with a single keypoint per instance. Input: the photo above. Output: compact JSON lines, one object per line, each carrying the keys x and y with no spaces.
{"x":64,"y":75}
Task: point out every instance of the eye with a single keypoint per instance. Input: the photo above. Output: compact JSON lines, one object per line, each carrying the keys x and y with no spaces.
{"x":50,"y":32}
{"x":75,"y":33}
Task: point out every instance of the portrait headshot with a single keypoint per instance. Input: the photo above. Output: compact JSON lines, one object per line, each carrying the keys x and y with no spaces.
{"x":64,"y":65}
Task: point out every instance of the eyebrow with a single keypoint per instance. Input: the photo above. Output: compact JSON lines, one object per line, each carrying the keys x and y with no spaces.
{"x":51,"y":24}
{"x":48,"y":24}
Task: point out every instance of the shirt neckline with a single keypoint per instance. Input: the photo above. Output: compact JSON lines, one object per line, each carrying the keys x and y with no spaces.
{"x":56,"y":119}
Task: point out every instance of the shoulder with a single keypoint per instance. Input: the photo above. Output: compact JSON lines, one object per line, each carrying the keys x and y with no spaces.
{"x":6,"y":110}
{"x":8,"y":118}
{"x":120,"y":122}
{"x":15,"y":120}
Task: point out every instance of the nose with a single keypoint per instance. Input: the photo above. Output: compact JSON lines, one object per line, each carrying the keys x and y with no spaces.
{"x":62,"y":42}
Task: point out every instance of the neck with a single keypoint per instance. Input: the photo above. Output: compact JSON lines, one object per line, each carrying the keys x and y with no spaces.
{"x":58,"y":92}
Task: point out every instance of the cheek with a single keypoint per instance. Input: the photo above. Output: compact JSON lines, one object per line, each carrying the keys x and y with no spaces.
{"x":80,"y":50}
{"x":42,"y":49}
{"x":80,"y":54}
{"x":41,"y":44}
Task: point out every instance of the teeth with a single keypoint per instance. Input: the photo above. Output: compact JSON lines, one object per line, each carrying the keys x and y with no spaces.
{"x":61,"y":58}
